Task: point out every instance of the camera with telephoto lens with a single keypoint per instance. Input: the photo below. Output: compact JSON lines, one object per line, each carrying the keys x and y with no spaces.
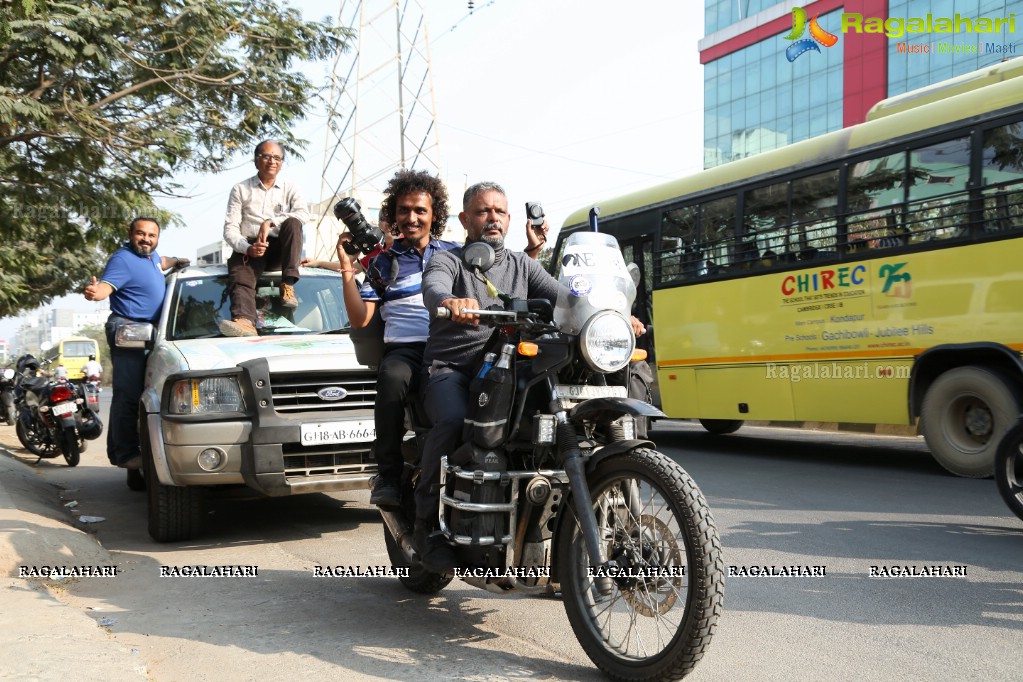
{"x":534,"y":211}
{"x":365,"y":237}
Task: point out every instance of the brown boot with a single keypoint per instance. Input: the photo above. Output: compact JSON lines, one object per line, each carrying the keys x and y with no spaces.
{"x":288,"y":299}
{"x":239,"y":326}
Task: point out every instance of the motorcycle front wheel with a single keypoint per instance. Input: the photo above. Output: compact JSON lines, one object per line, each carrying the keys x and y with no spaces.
{"x":662,"y":609}
{"x":1009,"y":469}
{"x":70,"y":447}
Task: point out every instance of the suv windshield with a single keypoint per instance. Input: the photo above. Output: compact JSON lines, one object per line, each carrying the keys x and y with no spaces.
{"x":200,"y":303}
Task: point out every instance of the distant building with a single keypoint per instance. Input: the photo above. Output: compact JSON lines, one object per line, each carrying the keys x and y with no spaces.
{"x":780,"y":72}
{"x":54,"y":324}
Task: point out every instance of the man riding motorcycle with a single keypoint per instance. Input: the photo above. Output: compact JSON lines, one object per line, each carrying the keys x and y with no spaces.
{"x":454,"y":344}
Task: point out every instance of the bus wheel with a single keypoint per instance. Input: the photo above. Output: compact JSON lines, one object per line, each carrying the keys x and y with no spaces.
{"x":720,"y":427}
{"x":964,"y":414}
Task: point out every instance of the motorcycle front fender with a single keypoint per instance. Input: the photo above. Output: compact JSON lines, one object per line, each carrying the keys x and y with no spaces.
{"x":609,"y":409}
{"x":616,"y":448}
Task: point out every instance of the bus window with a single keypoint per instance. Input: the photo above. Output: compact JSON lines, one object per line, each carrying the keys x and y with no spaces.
{"x":766,"y":219}
{"x":676,"y":256}
{"x":1002,"y":173}
{"x":938,"y":201}
{"x":874,"y":197}
{"x":814,"y":211}
{"x":717,"y":223}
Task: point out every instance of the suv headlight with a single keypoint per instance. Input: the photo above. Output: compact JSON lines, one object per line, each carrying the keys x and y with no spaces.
{"x":203,"y":396}
{"x":607,"y":341}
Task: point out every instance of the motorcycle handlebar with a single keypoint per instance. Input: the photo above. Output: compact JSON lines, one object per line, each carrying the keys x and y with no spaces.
{"x":445,"y":314}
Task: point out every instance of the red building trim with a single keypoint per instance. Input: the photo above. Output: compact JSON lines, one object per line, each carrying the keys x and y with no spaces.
{"x":864,"y":64}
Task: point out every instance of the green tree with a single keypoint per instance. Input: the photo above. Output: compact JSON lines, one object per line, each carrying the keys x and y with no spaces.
{"x":102,"y":102}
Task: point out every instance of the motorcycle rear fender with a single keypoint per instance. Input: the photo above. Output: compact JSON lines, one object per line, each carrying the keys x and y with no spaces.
{"x":609,"y":409}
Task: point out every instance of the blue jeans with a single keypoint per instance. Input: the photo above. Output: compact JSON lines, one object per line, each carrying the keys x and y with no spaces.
{"x":129,"y":379}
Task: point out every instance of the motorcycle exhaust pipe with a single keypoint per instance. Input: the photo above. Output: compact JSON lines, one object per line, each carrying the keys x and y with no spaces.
{"x":401,"y":531}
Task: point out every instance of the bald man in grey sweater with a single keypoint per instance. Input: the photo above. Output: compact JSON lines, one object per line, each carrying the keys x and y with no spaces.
{"x":454,"y":345}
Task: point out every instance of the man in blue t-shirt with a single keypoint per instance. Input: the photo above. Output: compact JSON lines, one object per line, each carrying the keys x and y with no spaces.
{"x":134,"y":282}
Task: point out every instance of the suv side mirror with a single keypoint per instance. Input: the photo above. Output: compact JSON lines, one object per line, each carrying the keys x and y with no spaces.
{"x":134,"y":335}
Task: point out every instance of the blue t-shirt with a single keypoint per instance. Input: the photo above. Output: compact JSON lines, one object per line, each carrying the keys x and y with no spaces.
{"x":404,"y":315}
{"x":138,"y":284}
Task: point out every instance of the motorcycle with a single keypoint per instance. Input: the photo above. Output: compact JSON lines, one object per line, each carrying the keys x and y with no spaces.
{"x":53,"y":418}
{"x":554,"y":491}
{"x":7,"y":409}
{"x":91,"y":389}
{"x":1009,"y":468}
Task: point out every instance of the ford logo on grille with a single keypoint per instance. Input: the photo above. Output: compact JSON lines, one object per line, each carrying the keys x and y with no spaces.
{"x":332,"y":393}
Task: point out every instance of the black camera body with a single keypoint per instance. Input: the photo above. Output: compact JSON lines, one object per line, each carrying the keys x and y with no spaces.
{"x":365,"y":237}
{"x":534,"y":211}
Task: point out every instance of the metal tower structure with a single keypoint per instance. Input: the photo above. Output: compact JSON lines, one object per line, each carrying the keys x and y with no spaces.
{"x":382,"y":114}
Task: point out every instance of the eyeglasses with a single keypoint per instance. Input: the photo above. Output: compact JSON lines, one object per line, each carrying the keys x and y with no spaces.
{"x":269,"y":157}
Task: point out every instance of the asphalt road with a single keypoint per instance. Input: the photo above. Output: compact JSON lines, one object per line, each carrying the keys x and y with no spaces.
{"x":842,"y":502}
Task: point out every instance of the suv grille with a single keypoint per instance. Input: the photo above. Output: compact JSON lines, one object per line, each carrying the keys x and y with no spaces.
{"x":301,"y":392}
{"x":333,"y":460}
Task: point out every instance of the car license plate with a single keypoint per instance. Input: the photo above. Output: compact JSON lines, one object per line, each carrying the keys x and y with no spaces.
{"x":63,"y":408}
{"x":353,"y":431}
{"x":571,"y":392}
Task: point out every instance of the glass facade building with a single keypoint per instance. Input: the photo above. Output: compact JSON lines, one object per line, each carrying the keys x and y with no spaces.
{"x":760,"y":95}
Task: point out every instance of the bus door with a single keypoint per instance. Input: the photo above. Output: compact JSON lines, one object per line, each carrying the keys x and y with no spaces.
{"x":640,"y":250}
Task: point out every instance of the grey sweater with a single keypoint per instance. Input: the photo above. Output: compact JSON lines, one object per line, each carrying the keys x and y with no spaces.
{"x":457,"y":345}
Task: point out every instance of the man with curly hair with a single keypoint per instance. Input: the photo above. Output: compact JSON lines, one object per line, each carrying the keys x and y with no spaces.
{"x":417,"y":203}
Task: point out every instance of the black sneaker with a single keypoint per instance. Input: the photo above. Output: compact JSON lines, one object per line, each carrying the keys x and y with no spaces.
{"x":436,"y":555}
{"x":385,"y":493}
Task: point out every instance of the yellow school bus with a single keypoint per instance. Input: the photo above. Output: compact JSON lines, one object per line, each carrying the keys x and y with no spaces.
{"x":869,"y":275}
{"x":73,"y":352}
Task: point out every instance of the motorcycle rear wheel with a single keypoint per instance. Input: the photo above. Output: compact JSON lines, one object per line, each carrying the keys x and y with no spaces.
{"x":35,"y":440}
{"x":1009,"y":469}
{"x":69,"y":446}
{"x":650,"y":515}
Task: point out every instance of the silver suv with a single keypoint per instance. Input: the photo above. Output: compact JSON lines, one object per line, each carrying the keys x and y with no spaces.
{"x":286,"y":412}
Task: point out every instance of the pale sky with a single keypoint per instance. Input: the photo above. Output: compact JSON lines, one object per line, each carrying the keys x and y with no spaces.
{"x":562,"y":102}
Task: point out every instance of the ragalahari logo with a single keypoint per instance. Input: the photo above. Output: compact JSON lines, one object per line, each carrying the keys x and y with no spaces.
{"x":817,"y":35}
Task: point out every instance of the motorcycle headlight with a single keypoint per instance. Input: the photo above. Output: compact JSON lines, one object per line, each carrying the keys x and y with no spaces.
{"x":8,"y":373}
{"x":607,"y":341}
{"x":203,"y":396}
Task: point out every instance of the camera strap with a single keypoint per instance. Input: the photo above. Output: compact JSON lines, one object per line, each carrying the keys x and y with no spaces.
{"x":376,"y":278}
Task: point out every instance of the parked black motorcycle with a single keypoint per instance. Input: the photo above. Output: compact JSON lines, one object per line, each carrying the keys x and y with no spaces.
{"x":53,"y":418}
{"x":1009,"y":468}
{"x":7,"y":410}
{"x":553,"y":491}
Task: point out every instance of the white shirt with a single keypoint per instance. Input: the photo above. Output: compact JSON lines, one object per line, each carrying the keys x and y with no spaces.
{"x":251,"y":203}
{"x":92,"y":369}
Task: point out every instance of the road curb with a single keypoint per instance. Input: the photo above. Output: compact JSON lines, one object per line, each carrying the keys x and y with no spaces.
{"x":43,"y":637}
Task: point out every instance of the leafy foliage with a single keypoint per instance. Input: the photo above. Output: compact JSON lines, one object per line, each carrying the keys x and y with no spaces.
{"x":103,"y":101}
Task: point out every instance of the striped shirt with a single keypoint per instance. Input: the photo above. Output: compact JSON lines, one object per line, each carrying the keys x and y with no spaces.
{"x":401,"y":305}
